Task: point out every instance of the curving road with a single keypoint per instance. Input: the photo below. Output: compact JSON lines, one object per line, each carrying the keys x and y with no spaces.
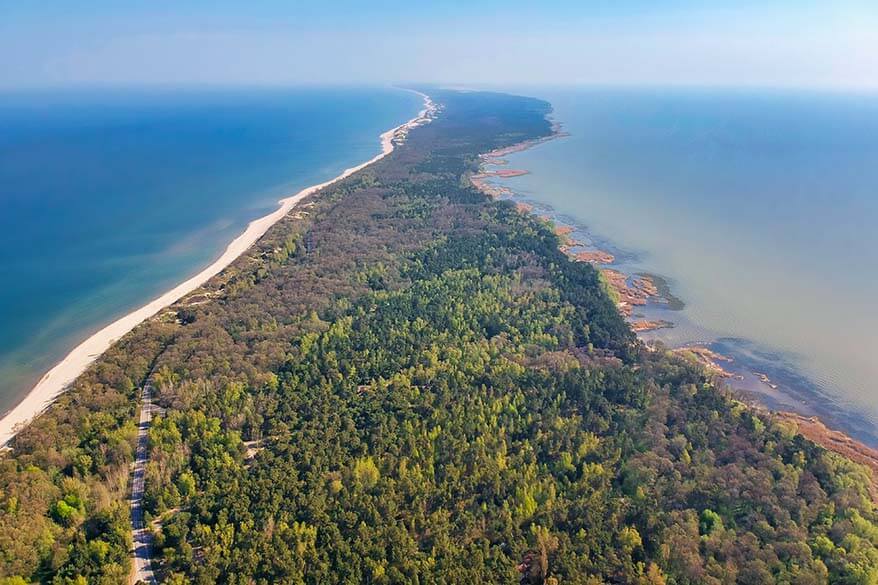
{"x":141,"y":554}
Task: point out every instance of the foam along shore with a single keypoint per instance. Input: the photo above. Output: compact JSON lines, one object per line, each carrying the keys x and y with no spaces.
{"x":59,"y":378}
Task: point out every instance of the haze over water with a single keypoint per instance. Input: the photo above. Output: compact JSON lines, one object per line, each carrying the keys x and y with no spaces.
{"x":761,"y":208}
{"x":110,"y":198}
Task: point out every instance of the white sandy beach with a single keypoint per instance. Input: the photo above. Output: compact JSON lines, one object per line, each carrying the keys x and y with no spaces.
{"x":67,"y":370}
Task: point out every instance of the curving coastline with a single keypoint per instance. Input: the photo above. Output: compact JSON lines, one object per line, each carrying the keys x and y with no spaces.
{"x":65,"y":372}
{"x":637,"y":289}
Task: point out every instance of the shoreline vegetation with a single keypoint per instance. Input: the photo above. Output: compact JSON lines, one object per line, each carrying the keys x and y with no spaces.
{"x":406,"y":380}
{"x":60,"y":376}
{"x":629,"y":291}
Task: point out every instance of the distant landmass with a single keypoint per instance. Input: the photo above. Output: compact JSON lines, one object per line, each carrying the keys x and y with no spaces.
{"x":408,"y":379}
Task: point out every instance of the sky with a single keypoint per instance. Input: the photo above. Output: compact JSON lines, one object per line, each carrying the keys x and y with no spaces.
{"x":780,"y":43}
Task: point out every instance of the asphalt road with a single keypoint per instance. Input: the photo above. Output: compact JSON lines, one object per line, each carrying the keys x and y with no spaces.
{"x":141,"y":554}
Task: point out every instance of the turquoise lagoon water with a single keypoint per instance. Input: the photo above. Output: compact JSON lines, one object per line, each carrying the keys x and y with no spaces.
{"x":108,"y":198}
{"x":759,"y":208}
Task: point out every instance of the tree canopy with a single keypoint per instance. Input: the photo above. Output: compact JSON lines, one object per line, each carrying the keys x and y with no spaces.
{"x":410,"y":383}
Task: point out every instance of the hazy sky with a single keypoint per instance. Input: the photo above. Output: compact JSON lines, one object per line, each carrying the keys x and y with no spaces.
{"x":827,"y":43}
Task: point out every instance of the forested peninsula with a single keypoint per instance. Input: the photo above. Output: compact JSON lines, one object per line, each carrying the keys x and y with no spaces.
{"x":406,"y":381}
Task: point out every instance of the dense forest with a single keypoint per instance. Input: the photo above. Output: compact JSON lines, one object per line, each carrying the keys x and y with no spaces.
{"x":405,"y":381}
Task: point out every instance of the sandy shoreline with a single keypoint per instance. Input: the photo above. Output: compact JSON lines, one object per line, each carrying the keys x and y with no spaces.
{"x":56,"y":380}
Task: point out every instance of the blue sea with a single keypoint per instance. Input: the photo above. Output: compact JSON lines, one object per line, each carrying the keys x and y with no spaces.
{"x":760,"y":208}
{"x":110,"y":197}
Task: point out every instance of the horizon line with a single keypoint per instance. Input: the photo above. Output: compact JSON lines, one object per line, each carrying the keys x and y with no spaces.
{"x":450,"y":85}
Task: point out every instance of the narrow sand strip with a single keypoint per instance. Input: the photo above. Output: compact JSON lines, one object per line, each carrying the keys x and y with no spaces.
{"x":67,"y":370}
